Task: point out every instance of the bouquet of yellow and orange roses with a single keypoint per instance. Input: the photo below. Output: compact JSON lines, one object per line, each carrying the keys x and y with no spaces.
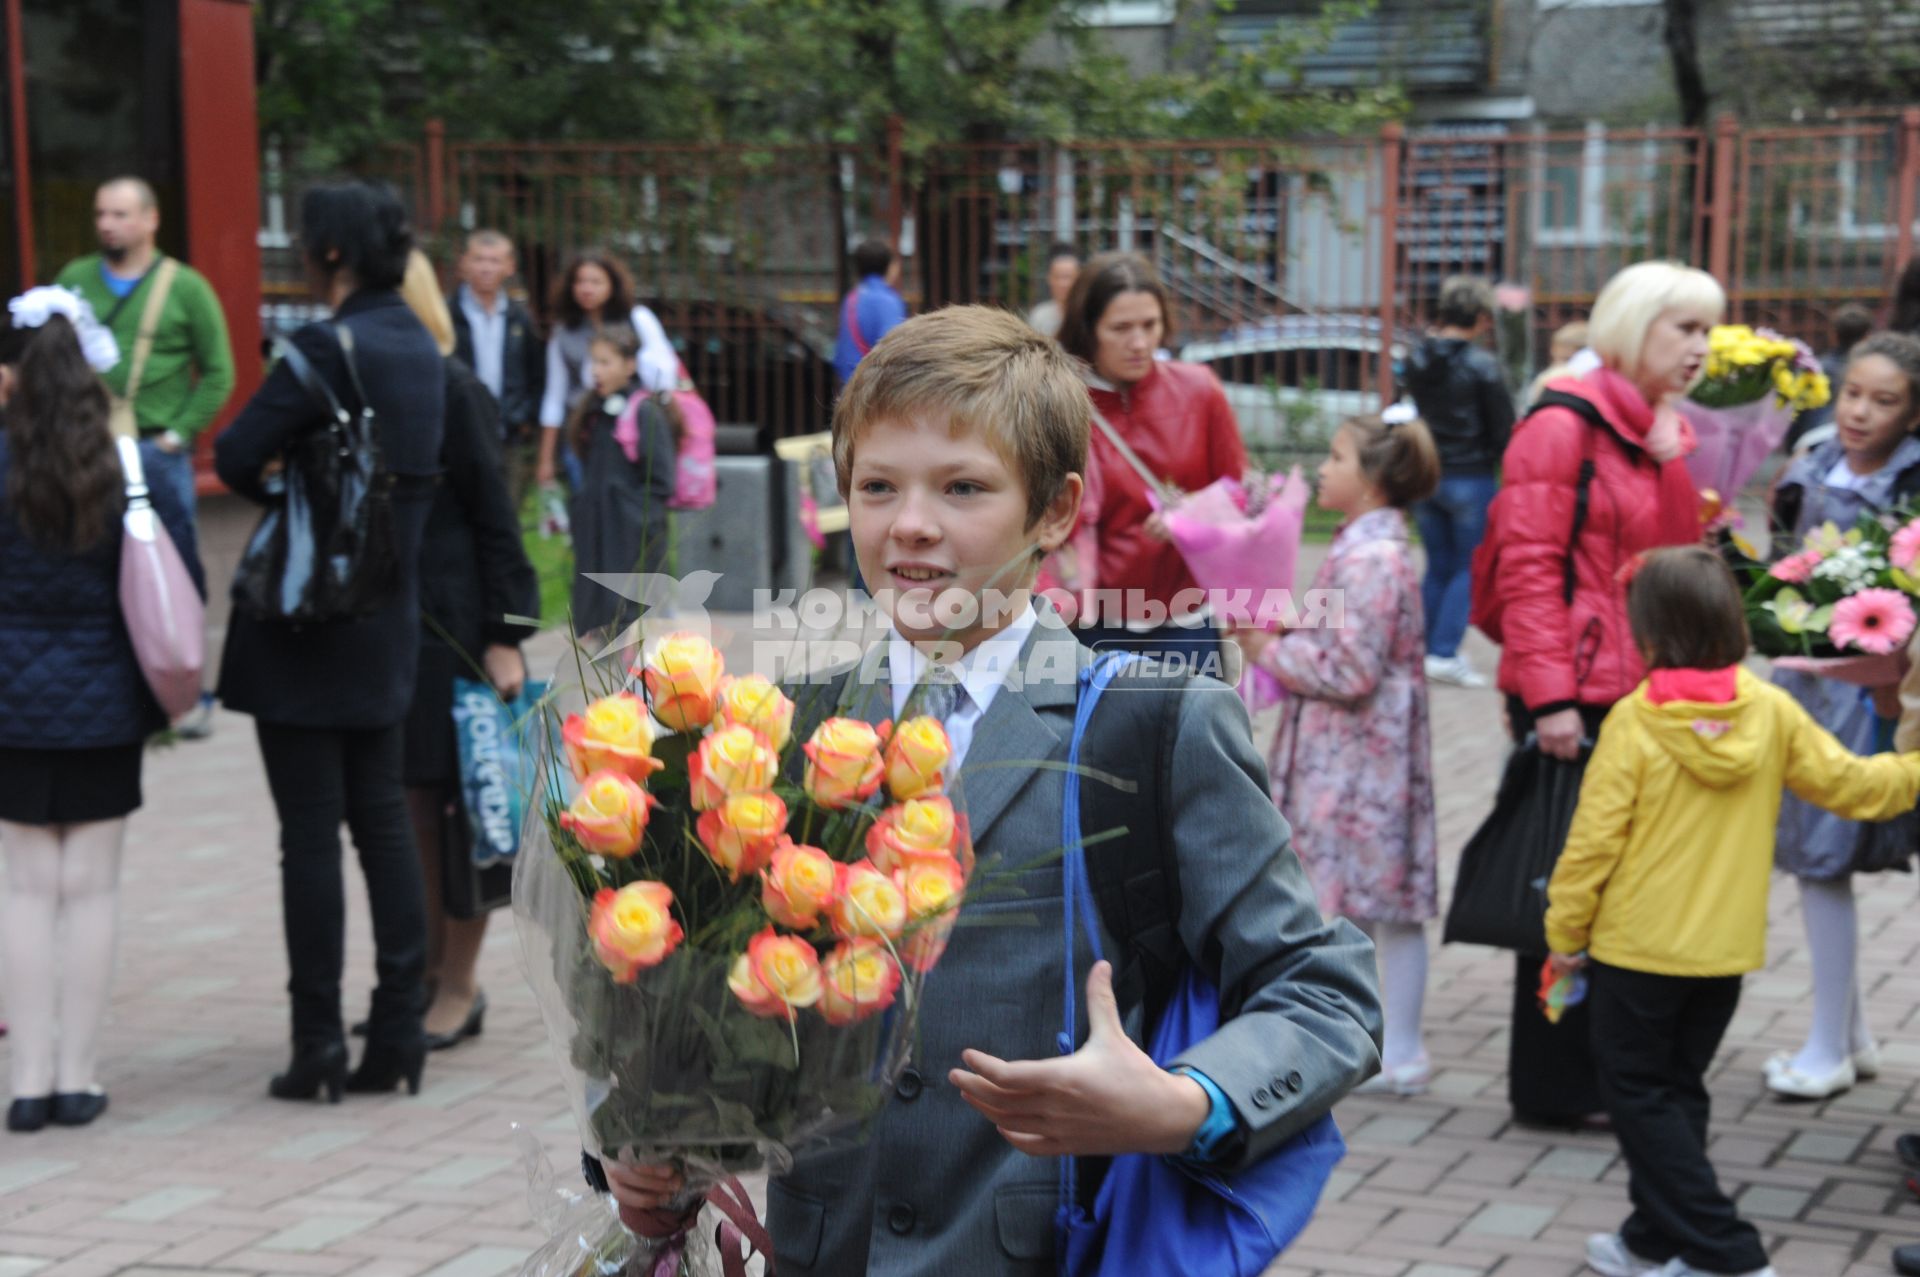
{"x":729,"y":950}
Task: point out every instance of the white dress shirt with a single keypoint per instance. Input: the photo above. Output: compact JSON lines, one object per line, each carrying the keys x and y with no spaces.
{"x":489,"y":338}
{"x":980,"y":672}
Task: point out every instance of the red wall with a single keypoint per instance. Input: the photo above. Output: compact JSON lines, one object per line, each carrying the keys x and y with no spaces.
{"x":222,"y":162}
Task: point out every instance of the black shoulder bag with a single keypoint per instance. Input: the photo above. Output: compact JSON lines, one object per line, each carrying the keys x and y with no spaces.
{"x":326,"y":551}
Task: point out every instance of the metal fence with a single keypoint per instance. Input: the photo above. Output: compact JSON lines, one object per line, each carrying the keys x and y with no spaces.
{"x":1299,"y":270}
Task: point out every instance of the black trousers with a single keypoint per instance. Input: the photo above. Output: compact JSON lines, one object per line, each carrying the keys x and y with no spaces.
{"x":1653,"y":1038}
{"x":320,"y":777}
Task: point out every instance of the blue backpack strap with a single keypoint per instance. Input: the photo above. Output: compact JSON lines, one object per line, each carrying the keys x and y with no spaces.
{"x":1076,"y":895}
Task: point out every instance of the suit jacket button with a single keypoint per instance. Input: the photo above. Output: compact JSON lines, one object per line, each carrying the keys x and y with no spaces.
{"x":900,"y":1219}
{"x":1293,"y":1081}
{"x":1261,"y":1097}
{"x":909,"y":1086}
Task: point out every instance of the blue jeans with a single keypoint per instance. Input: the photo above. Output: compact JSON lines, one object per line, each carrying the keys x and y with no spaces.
{"x":172,"y":472}
{"x":1451,"y":523}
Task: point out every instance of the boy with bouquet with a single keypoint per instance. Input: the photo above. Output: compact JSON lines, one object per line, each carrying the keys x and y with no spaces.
{"x":960,"y":442}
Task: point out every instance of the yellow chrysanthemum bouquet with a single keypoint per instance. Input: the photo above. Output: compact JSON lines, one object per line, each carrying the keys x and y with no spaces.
{"x":1746,"y":364}
{"x":728,"y":935}
{"x":1755,"y":382}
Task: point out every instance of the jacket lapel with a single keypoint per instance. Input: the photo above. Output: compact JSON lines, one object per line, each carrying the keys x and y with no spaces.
{"x":1029,"y":722}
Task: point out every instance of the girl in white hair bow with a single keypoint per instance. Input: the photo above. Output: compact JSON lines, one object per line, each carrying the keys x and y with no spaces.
{"x":1351,"y":766}
{"x":75,"y":711}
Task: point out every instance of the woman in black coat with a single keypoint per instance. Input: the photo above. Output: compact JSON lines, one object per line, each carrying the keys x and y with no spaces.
{"x":475,"y":584}
{"x":75,"y":711}
{"x":329,"y":698}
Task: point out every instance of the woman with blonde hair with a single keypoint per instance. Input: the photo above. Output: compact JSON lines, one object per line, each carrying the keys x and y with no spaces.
{"x":474,"y":576}
{"x":1593,"y":477}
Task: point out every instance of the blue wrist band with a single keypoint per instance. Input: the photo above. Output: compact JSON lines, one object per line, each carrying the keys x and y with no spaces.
{"x":1220,"y":1123}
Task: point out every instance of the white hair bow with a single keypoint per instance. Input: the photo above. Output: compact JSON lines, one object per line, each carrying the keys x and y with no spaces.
{"x":1400,"y":414}
{"x":37,"y":305}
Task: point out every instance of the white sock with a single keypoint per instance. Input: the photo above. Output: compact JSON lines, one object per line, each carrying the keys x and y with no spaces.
{"x":89,"y":901}
{"x":1401,"y":949}
{"x":1833,"y":943}
{"x":28,"y":958}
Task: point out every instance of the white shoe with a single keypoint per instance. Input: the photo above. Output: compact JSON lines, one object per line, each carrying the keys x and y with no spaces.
{"x":1411,"y":1078}
{"x":1608,"y":1255}
{"x":1676,"y":1267}
{"x":1798,"y":1084}
{"x":1455,"y":671}
{"x":1866,"y":1062}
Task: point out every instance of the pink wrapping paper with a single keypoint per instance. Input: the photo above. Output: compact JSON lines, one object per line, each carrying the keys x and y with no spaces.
{"x":1732,"y":442}
{"x":1228,"y":552}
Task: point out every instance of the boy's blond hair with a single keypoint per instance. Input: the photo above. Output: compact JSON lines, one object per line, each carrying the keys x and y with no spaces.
{"x":982,"y":369}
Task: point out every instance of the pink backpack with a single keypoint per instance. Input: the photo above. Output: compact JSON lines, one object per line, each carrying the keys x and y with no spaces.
{"x":693,"y":478}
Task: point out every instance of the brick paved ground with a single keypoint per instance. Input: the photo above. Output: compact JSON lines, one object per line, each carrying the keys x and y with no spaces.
{"x":195,"y":1170}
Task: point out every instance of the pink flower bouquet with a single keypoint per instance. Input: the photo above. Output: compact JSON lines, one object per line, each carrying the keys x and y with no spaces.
{"x":1244,"y":538}
{"x":1730,"y":443}
{"x":1842,"y":605}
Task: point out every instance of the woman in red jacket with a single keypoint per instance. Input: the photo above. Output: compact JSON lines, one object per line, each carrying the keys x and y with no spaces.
{"x":1166,"y":421}
{"x":1557,"y":547}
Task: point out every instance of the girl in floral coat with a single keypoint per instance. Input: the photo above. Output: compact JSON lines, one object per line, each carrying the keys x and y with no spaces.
{"x":1352,"y":768}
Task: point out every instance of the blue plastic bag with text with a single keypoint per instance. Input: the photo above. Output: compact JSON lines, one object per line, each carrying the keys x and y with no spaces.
{"x":499,"y":754}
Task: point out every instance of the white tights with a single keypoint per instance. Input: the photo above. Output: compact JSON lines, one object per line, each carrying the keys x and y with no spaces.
{"x":1839,"y":1025}
{"x":1401,"y":950}
{"x":57,"y":985}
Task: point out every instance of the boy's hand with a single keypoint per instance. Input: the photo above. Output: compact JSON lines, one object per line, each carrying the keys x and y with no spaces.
{"x":1109,"y":1097}
{"x":645,"y":1185}
{"x":1564,"y":964}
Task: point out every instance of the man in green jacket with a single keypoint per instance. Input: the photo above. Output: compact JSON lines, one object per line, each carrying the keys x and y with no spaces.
{"x":188,"y":374}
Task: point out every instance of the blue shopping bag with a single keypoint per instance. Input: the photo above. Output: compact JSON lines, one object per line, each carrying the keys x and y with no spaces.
{"x":499,"y":757}
{"x":1158,"y":1214}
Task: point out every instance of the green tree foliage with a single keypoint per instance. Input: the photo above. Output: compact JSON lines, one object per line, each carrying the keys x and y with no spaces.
{"x":339,"y":77}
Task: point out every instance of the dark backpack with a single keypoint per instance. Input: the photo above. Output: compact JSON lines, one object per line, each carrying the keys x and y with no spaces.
{"x":1487,"y":605}
{"x":327,"y":549}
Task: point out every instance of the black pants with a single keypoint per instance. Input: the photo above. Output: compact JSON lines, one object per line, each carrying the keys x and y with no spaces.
{"x":1653,"y":1038}
{"x":1550,"y":1076}
{"x":320,"y":777}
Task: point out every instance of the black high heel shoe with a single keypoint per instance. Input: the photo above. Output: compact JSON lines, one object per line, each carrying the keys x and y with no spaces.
{"x":316,"y":1066}
{"x":384,"y":1065}
{"x":469,"y":1027}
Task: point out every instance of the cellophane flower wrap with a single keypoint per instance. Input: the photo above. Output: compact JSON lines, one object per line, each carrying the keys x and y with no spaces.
{"x":1755,"y":382}
{"x":727,"y":927}
{"x":1839,"y":603}
{"x":1242,"y":538}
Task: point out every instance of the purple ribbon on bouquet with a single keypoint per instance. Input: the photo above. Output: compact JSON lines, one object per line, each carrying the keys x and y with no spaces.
{"x":741,"y":1227}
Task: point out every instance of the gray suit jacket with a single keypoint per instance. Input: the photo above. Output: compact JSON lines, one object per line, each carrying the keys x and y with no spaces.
{"x":934,"y":1189}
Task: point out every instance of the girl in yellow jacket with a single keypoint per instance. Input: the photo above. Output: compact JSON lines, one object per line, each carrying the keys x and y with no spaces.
{"x":1661,"y":894}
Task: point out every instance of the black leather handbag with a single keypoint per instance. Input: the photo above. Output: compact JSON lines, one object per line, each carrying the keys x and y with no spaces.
{"x":326,"y":550}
